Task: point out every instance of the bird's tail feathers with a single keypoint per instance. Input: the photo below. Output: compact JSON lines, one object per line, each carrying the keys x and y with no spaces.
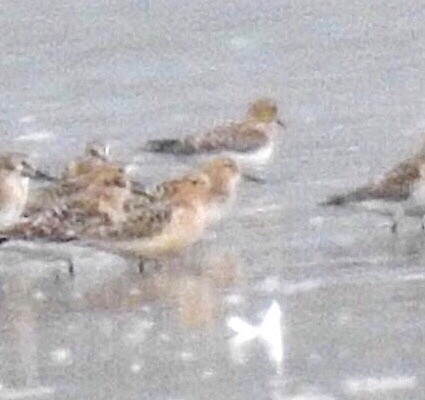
{"x":172,"y":146}
{"x":351,"y":197}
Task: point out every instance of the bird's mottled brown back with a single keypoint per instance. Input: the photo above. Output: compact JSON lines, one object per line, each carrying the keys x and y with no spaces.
{"x":238,"y":137}
{"x":397,"y":184}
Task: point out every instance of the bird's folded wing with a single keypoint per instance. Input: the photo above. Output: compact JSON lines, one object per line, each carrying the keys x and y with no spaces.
{"x":235,"y":137}
{"x":144,"y":221}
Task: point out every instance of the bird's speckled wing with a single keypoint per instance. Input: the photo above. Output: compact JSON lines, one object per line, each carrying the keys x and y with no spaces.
{"x":238,"y":137}
{"x":67,"y":222}
{"x":235,"y":137}
{"x":56,"y":225}
{"x":60,"y":193}
{"x":143,"y":221}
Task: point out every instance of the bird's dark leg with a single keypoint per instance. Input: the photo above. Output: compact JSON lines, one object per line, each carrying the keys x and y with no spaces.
{"x":70,"y":267}
{"x":397,"y":217}
{"x":141,"y":265}
{"x":61,"y":257}
{"x":394,"y":227}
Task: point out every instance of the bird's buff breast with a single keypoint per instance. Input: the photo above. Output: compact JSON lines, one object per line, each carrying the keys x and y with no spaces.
{"x":13,"y":198}
{"x":182,"y":232}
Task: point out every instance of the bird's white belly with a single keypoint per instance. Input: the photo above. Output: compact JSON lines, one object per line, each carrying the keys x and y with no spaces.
{"x":418,"y":194}
{"x":416,"y":203}
{"x":260,"y":156}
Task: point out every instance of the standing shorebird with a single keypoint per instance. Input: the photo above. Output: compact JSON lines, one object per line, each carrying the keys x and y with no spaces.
{"x":15,"y":172}
{"x":96,"y":158}
{"x":399,"y":192}
{"x":147,"y":231}
{"x":92,"y":180}
{"x":250,"y":140}
{"x":104,"y":191}
{"x":224,"y":176}
{"x":96,"y":184}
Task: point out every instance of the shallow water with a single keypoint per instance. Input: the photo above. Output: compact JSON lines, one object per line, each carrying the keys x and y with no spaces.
{"x":348,"y":77}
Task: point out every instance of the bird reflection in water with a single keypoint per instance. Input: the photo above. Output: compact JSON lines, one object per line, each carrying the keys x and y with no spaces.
{"x":189,"y":288}
{"x":19,"y":321}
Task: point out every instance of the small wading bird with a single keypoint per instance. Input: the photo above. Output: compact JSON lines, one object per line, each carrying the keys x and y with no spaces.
{"x":146,"y":231}
{"x":251,"y":140}
{"x":399,"y":192}
{"x":224,"y":176}
{"x":95,"y":157}
{"x":94,"y":179}
{"x":15,"y":171}
{"x":105,"y":188}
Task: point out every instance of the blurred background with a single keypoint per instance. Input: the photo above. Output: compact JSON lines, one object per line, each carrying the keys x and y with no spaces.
{"x":348,"y":78}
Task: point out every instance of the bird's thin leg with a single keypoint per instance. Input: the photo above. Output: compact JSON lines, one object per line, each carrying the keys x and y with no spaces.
{"x":394,"y":227}
{"x":141,"y":265}
{"x":397,"y":216}
{"x":70,"y":267}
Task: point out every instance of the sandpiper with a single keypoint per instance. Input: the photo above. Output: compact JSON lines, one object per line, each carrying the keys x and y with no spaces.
{"x":15,"y":171}
{"x":399,"y":192}
{"x":250,"y":140}
{"x":92,"y":180}
{"x":103,"y":189}
{"x":96,"y":157}
{"x":153,"y":231}
{"x":224,"y":175}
